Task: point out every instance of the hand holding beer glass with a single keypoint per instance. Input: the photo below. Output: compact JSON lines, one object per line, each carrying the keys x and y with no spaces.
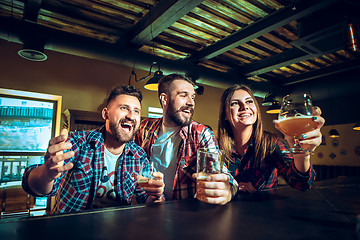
{"x":296,"y":118}
{"x":212,"y":180}
{"x":155,"y":187}
{"x":209,"y":161}
{"x":144,"y":176}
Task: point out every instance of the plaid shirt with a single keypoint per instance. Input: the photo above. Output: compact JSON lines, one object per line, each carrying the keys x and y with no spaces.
{"x":73,"y":188}
{"x":194,"y":136}
{"x":244,"y":170}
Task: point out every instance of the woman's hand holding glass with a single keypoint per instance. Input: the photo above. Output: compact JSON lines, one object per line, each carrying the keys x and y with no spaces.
{"x":152,"y":182}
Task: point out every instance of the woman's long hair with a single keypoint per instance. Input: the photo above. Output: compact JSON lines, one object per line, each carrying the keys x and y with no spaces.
{"x":264,"y":141}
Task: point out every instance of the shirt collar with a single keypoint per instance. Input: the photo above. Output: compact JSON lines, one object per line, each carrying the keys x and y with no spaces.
{"x":128,"y":149}
{"x":249,"y":146}
{"x":96,"y":138}
{"x":184,"y":131}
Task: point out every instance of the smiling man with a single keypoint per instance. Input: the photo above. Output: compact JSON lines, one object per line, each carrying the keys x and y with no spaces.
{"x":97,"y":168}
{"x":172,"y":142}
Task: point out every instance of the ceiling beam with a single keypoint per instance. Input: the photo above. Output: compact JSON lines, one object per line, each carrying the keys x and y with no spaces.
{"x":328,"y":40}
{"x":261,"y":27}
{"x":283,"y":59}
{"x":159,"y":18}
{"x":323,"y":72}
{"x":74,"y":44}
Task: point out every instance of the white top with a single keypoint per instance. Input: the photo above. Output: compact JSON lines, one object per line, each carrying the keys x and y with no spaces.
{"x":106,"y":195}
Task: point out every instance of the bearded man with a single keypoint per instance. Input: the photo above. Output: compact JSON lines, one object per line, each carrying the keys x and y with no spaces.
{"x":97,"y":168}
{"x":171,"y":143}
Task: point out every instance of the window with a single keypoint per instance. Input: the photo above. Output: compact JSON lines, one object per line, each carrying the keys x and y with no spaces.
{"x":154,"y":112}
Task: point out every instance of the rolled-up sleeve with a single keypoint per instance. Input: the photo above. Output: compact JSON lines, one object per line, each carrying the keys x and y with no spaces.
{"x":286,"y":166}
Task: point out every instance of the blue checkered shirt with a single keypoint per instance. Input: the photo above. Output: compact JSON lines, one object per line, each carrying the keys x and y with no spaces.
{"x":72,"y":189}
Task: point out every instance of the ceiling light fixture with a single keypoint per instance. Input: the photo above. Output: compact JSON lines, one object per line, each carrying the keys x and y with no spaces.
{"x":270,"y":100}
{"x":194,"y":76}
{"x":199,"y":89}
{"x":33,"y":50}
{"x":153,"y":83}
{"x":357,"y":126}
{"x":274,"y":108}
{"x":33,"y":40}
{"x":334,"y":133}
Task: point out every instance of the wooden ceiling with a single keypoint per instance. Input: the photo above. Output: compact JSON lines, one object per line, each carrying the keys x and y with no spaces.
{"x":270,"y":45}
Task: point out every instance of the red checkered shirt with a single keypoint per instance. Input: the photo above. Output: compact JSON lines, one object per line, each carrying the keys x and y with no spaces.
{"x":194,"y":136}
{"x":266,"y":177}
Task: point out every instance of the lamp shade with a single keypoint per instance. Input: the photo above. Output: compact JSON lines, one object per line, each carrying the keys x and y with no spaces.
{"x":199,"y":90}
{"x":268,"y":100}
{"x":334,"y":133}
{"x":357,"y":126}
{"x":33,"y":50}
{"x":274,"y":108}
{"x":153,"y":82}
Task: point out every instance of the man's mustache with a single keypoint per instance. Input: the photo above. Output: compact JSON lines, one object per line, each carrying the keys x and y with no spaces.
{"x":191,"y":109}
{"x":126,"y":120}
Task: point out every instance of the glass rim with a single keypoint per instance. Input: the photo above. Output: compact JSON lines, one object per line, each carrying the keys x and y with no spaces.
{"x":210,"y":149}
{"x":297,"y":94}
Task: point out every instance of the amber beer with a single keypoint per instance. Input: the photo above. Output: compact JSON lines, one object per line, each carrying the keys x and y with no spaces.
{"x":298,"y":125}
{"x":143,"y":181}
{"x":203,"y":176}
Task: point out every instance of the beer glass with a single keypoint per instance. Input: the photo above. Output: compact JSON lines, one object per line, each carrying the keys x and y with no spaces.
{"x":209,"y":161}
{"x":296,"y":118}
{"x":144,"y":176}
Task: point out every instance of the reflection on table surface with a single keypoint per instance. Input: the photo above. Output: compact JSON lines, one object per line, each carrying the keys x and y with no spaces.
{"x":327,"y":211}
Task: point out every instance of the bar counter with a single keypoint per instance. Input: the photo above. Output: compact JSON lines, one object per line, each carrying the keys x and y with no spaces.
{"x":327,"y":211}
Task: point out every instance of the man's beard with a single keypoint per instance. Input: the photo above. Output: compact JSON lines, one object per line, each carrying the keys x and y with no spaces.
{"x":119,"y":134}
{"x":175,"y":116}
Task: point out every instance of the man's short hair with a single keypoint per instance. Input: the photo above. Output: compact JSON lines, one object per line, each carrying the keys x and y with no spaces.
{"x":125,"y":90}
{"x":165,"y":82}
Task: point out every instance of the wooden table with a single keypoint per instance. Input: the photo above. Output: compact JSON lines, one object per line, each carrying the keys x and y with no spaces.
{"x":327,"y":211}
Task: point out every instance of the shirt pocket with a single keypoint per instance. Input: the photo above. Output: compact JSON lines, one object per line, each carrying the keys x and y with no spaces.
{"x":128,"y":186}
{"x":82,"y":177}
